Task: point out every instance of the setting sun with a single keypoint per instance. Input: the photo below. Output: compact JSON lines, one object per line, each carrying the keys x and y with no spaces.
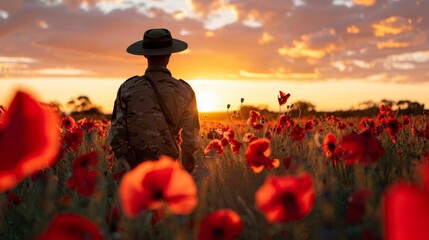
{"x":206,"y":102}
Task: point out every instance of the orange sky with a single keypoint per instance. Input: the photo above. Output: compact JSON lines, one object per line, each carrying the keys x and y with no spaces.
{"x":354,"y":50}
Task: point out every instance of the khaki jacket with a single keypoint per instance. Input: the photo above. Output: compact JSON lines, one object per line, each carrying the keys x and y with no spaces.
{"x":139,"y":130}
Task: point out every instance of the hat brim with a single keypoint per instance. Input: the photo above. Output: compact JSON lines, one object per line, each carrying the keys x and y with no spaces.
{"x":176,"y":46}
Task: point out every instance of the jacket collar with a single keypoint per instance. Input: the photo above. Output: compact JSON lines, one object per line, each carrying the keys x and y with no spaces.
{"x":157,"y":69}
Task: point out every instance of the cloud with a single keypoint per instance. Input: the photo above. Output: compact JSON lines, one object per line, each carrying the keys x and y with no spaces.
{"x":366,"y":3}
{"x":392,"y":26}
{"x":306,"y":40}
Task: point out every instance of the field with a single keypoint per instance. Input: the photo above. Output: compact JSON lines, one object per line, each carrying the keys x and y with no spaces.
{"x":256,"y":178}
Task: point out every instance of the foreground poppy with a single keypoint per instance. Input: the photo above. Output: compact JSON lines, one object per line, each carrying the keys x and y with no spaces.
{"x":406,"y":210}
{"x":257,"y":156}
{"x":222,"y":224}
{"x":364,"y":148}
{"x":152,"y":184}
{"x":28,"y":140}
{"x":70,"y":226}
{"x":286,"y":198}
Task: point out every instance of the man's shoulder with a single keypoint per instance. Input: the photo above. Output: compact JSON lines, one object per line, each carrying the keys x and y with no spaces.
{"x":186,"y":84}
{"x":130,"y":79}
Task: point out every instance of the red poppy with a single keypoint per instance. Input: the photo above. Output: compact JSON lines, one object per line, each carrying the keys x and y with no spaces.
{"x":215,"y":146}
{"x":28,"y":140}
{"x":287,"y":121}
{"x":223,"y":224}
{"x":70,"y":226}
{"x":406,"y":211}
{"x":224,"y":141}
{"x":285,"y":198}
{"x":87,"y":124}
{"x":366,"y":124}
{"x":298,"y":133}
{"x":329,"y":144}
{"x":152,"y":184}
{"x":68,"y":122}
{"x":341,"y":126}
{"x":357,"y":206}
{"x":257,"y":156}
{"x":392,"y":127}
{"x":385,"y":109}
{"x":406,"y":120}
{"x":229,"y":134}
{"x":84,"y":162}
{"x":255,"y":120}
{"x":84,"y":180}
{"x":73,"y":138}
{"x":364,"y":148}
{"x":309,"y":126}
{"x":235,"y":146}
{"x":283,"y":98}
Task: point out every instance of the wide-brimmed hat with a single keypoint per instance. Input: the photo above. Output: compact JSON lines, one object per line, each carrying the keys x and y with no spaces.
{"x":157,"y":42}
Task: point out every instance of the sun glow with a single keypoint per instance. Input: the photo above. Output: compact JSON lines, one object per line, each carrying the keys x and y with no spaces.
{"x":206,"y":102}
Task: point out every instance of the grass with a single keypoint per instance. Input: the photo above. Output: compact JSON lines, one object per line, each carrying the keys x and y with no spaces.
{"x":224,"y":181}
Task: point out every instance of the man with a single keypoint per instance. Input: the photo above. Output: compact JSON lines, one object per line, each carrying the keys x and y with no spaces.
{"x":151,"y":111}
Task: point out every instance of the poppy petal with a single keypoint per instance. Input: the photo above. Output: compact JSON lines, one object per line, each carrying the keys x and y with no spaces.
{"x":28,"y":140}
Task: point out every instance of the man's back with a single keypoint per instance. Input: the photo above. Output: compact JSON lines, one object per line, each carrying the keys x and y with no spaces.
{"x":141,"y":128}
{"x":147,"y":131}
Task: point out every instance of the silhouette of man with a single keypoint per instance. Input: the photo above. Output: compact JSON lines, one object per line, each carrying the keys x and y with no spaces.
{"x":152,"y":111}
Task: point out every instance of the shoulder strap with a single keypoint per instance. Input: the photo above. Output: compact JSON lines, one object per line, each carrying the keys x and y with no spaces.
{"x":164,"y":108}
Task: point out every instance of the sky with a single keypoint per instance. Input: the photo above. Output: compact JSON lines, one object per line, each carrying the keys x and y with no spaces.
{"x":332,"y":53}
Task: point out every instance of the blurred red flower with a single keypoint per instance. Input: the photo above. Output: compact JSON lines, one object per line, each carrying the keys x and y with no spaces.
{"x":257,"y":156}
{"x":70,"y":226}
{"x":309,"y":126}
{"x":285,"y":198}
{"x":283,"y":98}
{"x":298,"y":133}
{"x":73,"y":138}
{"x":406,"y":120}
{"x":364,"y":148}
{"x":357,"y":206}
{"x":221,"y":224}
{"x":367,"y":124}
{"x":392,"y":127}
{"x":153,"y":184}
{"x":28,"y":140}
{"x":329,"y":144}
{"x":406,"y":210}
{"x":84,"y":180}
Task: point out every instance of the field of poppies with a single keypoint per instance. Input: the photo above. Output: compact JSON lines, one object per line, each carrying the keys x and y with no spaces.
{"x":256,"y":178}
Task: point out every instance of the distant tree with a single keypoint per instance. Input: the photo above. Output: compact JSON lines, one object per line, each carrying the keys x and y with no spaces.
{"x":367,"y":104}
{"x":306,"y":108}
{"x":82,"y":106}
